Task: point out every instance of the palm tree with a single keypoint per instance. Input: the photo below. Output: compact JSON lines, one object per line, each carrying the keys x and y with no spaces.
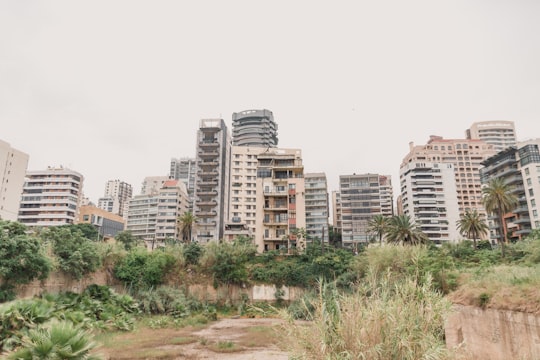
{"x":61,"y":340}
{"x":472,"y":225}
{"x":186,"y":223}
{"x":498,"y":200}
{"x":378,"y":225}
{"x":402,"y":230}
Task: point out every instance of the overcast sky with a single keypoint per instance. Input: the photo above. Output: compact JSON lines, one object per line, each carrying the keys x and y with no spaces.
{"x":114,"y":89}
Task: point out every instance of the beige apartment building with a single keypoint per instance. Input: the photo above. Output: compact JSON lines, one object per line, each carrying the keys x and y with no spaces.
{"x":116,"y":197}
{"x":466,"y":155}
{"x":13,"y":165}
{"x":280,"y":200}
{"x":499,"y":133}
{"x":51,"y":197}
{"x":243,"y":192}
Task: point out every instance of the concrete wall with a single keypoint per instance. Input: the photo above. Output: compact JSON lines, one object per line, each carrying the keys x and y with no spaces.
{"x":59,"y":282}
{"x":494,"y":334}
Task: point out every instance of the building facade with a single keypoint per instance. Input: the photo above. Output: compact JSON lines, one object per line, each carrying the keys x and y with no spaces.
{"x":466,"y":156}
{"x":362,"y":197}
{"x":429,"y":198}
{"x":254,"y":128}
{"x":211,"y":195}
{"x":243,"y":192}
{"x":116,"y":197}
{"x":499,"y":133}
{"x":51,"y":197}
{"x":173,"y":202}
{"x":519,"y":167}
{"x":13,"y":165}
{"x":317,"y":207}
{"x":106,"y":223}
{"x":281,"y":210}
{"x":142,"y":217}
{"x":184,"y":169}
{"x":152,"y":184}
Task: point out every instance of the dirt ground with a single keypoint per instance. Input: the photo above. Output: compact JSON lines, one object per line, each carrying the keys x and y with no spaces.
{"x":230,"y":338}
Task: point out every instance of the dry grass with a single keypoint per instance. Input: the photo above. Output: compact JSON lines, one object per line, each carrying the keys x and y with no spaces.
{"x":381,"y":321}
{"x":190,"y":342}
{"x":501,"y":287}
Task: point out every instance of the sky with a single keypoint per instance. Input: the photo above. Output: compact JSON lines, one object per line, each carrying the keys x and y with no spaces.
{"x":114,"y":89}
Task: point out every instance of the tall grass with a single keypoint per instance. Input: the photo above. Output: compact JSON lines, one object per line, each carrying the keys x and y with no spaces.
{"x":384,"y":319}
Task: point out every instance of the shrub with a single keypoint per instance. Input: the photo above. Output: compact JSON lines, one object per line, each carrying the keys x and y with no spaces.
{"x":141,"y":269}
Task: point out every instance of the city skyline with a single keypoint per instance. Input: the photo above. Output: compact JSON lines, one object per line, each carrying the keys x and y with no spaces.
{"x":349,"y":84}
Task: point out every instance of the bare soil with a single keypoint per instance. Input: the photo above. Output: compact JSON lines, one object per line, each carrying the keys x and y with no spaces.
{"x":230,"y":338}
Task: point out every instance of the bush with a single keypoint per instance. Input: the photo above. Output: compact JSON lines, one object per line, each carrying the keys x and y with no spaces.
{"x":77,"y":255}
{"x":141,"y":269}
{"x":22,"y":259}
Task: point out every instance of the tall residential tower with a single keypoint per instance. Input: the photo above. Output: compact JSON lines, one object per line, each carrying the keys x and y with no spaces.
{"x":13,"y":164}
{"x":254,"y":128}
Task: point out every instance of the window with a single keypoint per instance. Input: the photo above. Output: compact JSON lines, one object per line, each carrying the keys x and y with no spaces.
{"x":535,"y":213}
{"x":526,"y":171}
{"x":533,"y":202}
{"x":529,"y":181}
{"x":531,"y":192}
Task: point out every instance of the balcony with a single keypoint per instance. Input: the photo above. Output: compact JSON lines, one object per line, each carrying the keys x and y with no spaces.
{"x":207,"y":164}
{"x":207,"y":192}
{"x":207,"y":182}
{"x":208,"y":154}
{"x":205,"y":213}
{"x":207,"y":173}
{"x":205,"y":144}
{"x":206,"y":203}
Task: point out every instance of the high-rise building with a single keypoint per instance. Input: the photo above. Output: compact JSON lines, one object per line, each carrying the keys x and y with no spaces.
{"x":152,"y":184}
{"x":280,"y":202}
{"x":362,"y":197}
{"x":466,"y":155}
{"x":116,"y":197}
{"x":51,"y":197}
{"x":254,"y":128}
{"x":519,"y":167}
{"x":499,"y":133}
{"x":316,"y":198}
{"x":211,"y":195}
{"x":173,"y":202}
{"x":154,"y":217}
{"x":243,"y":192}
{"x":336,"y":210}
{"x":184,"y":169}
{"x":13,"y":165}
{"x":429,"y":198}
{"x":142,"y":217}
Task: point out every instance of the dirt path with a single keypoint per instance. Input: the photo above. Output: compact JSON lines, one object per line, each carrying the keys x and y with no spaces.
{"x":238,"y":331}
{"x":230,"y":338}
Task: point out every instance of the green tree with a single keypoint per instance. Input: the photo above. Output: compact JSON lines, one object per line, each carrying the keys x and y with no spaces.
{"x":334,"y":236}
{"x":142,"y":269}
{"x":22,"y":258}
{"x":77,"y":255}
{"x":402,"y":230}
{"x":378,"y":225}
{"x":186,"y":223}
{"x":127,"y":239}
{"x":89,"y":231}
{"x":472,"y":225}
{"x":499,"y":200}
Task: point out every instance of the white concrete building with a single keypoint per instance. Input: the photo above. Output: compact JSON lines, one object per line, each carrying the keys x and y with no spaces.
{"x":51,"y":197}
{"x":429,"y":198}
{"x":13,"y":165}
{"x":173,"y":202}
{"x":317,"y":207}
